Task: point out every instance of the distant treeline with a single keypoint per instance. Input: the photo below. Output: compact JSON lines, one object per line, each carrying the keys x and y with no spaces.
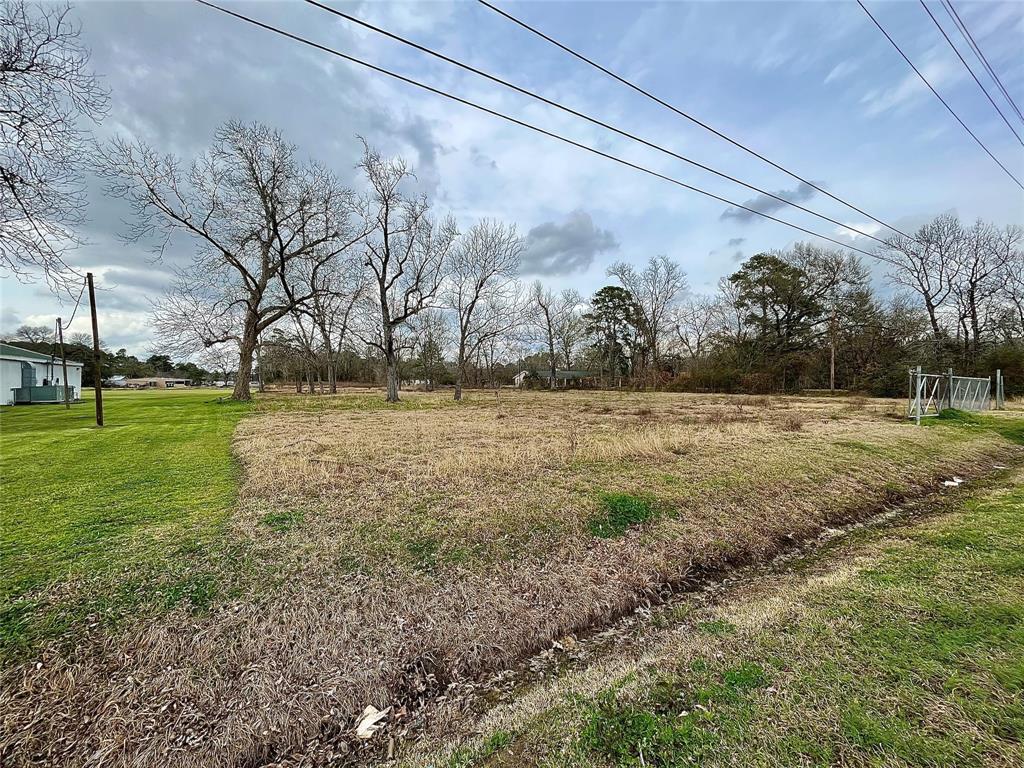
{"x":807,"y":318}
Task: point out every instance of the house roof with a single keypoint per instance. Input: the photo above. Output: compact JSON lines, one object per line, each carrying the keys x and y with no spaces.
{"x":11,"y":352}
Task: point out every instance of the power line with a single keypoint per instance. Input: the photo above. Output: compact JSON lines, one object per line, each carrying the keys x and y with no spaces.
{"x":687,"y":116}
{"x":938,"y":96}
{"x":522,"y":123}
{"x":962,"y":26}
{"x":588,"y":118}
{"x":968,"y":67}
{"x":77,"y":302}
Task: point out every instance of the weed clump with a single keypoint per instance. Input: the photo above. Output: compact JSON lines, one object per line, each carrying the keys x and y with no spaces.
{"x":792,"y":422}
{"x":282,"y":522}
{"x":621,"y":510}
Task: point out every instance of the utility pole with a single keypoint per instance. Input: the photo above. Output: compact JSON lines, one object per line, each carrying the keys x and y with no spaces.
{"x":63,"y":362}
{"x":97,"y":375}
{"x":832,"y":356}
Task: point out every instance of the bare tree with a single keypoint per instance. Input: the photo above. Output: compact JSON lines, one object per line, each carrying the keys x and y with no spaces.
{"x":1012,"y":277}
{"x":656,"y":289}
{"x":694,"y":322}
{"x":256,"y":215}
{"x":219,"y":358}
{"x":482,"y":289}
{"x":552,"y":313}
{"x":336,"y":289}
{"x":980,"y":269}
{"x":34,"y":333}
{"x":732,"y":313}
{"x":927,"y":263}
{"x":570,"y":329}
{"x":433,"y":334}
{"x":406,"y":254}
{"x":47,"y":97}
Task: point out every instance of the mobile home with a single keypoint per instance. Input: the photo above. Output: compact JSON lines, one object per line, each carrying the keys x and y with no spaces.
{"x":33,"y":377}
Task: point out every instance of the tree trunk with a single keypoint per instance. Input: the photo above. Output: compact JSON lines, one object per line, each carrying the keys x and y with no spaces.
{"x":460,"y":368}
{"x":933,"y":318}
{"x":391,"y":366}
{"x":553,"y":362}
{"x":392,"y":377}
{"x":246,"y":349}
{"x":244,"y":374}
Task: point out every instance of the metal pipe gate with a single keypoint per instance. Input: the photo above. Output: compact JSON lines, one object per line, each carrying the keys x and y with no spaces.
{"x":930,"y":393}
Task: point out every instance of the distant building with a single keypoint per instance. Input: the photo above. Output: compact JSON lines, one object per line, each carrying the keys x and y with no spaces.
{"x":32,"y":377}
{"x":157,"y":382}
{"x":562,"y":378}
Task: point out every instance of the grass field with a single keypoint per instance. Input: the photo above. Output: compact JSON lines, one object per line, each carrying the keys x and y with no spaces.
{"x":904,"y":650}
{"x":221,"y":584}
{"x":123,"y":508}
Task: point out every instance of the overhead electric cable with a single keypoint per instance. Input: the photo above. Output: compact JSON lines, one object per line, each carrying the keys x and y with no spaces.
{"x":526,"y":92}
{"x":77,"y":302}
{"x":971,"y":71}
{"x":962,"y":26}
{"x":522,"y":123}
{"x":938,"y":95}
{"x":687,"y":116}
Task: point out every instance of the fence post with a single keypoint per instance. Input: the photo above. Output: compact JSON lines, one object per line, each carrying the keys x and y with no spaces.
{"x":910,"y":392}
{"x":949,"y":387}
{"x":917,"y":397}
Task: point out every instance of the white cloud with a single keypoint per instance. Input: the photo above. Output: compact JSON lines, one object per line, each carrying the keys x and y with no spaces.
{"x":841,"y":70}
{"x":910,"y":90}
{"x":867,"y":227}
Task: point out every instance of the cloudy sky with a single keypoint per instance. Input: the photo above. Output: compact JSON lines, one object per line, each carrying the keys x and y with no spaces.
{"x":812,"y":85}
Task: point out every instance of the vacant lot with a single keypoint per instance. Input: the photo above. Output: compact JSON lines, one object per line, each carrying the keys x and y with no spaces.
{"x":378,"y":554}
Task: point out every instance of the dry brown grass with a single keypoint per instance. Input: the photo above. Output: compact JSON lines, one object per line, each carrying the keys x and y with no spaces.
{"x":438,"y":542}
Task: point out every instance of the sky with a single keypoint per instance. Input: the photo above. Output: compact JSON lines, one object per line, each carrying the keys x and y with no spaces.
{"x":812,"y":85}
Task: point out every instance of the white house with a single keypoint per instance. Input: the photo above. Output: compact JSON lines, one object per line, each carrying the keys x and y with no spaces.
{"x":32,"y":377}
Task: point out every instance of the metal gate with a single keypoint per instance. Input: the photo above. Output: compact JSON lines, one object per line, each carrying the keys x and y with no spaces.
{"x":930,"y":393}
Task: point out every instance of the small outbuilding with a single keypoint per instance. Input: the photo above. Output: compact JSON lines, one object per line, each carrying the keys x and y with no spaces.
{"x":33,"y":377}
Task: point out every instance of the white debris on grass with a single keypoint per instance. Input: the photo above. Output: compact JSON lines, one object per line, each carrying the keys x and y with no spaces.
{"x":371,"y":721}
{"x":954,"y":483}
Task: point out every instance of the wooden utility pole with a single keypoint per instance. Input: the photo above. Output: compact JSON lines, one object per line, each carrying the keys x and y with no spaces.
{"x":832,"y":355}
{"x":63,"y":362}
{"x":97,"y":375}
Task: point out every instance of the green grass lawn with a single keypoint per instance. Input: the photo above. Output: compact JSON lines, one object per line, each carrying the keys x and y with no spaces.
{"x":111,"y":506}
{"x":916,"y":659}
